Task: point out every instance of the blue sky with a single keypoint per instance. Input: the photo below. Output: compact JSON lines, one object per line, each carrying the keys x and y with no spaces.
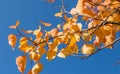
{"x":29,"y":12}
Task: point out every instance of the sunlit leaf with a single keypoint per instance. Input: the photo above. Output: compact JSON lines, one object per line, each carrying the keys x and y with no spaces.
{"x":41,"y":50}
{"x":27,"y":31}
{"x":26,"y":47}
{"x":12,"y":40}
{"x":21,"y":63}
{"x":34,"y":56}
{"x":59,"y":14}
{"x":72,"y":41}
{"x":59,"y":26}
{"x":88,"y":49}
{"x":23,"y":40}
{"x":51,"y":1}
{"x":50,"y":55}
{"x":45,"y":23}
{"x":87,"y":37}
{"x":54,"y":32}
{"x":37,"y":68}
{"x":61,"y":55}
{"x":16,"y":25}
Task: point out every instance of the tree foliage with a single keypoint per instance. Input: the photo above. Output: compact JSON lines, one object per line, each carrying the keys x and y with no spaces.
{"x":102,"y":19}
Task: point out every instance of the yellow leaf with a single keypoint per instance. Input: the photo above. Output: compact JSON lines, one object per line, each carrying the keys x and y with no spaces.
{"x":59,"y":14}
{"x":66,"y":51}
{"x":26,"y":48}
{"x":87,"y":37}
{"x":21,"y":63}
{"x":61,"y":55}
{"x":72,"y":41}
{"x":37,"y":68}
{"x":27,"y":31}
{"x":16,"y":25}
{"x":34,"y":56}
{"x":109,"y":39}
{"x":78,"y":9}
{"x":30,"y":72}
{"x":88,"y":49}
{"x":41,"y":50}
{"x":45,"y":23}
{"x":35,"y":32}
{"x":23,"y":40}
{"x":12,"y":40}
{"x":59,"y":26}
{"x":97,"y":42}
{"x":77,"y":36}
{"x":50,"y":55}
{"x":54,"y":32}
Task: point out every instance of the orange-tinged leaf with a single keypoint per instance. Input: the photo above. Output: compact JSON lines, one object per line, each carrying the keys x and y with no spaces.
{"x":106,"y":2}
{"x":54,"y":32}
{"x":41,"y":50}
{"x":59,"y":14}
{"x":52,"y":1}
{"x":30,"y":72}
{"x":79,"y":8}
{"x":97,"y":42}
{"x":23,"y":40}
{"x":45,"y":23}
{"x":12,"y":40}
{"x":16,"y":25}
{"x":59,"y":26}
{"x":12,"y":37}
{"x":87,"y":37}
{"x":26,"y":48}
{"x":34,"y":56}
{"x":88,"y":12}
{"x":35,"y":32}
{"x":109,"y":39}
{"x":72,"y":41}
{"x":61,"y":55}
{"x":88,"y":49}
{"x":37,"y":68}
{"x":27,"y":31}
{"x":66,"y":51}
{"x":50,"y":55}
{"x":21,"y":63}
{"x":77,"y":36}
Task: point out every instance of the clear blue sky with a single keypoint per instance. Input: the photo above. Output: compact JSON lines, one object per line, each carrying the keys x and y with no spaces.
{"x":29,"y":12}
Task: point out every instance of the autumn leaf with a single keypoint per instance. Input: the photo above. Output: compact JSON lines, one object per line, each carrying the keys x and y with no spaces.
{"x":12,"y":40}
{"x":87,"y":37}
{"x":59,"y":14}
{"x":34,"y":56}
{"x":41,"y":50}
{"x":51,"y":1}
{"x":109,"y":39}
{"x":21,"y":63}
{"x":59,"y":26}
{"x":23,"y":40}
{"x":16,"y":25}
{"x":78,"y":9}
{"x":37,"y":68}
{"x":27,"y":31}
{"x":88,"y":49}
{"x":72,"y":41}
{"x":54,"y":32}
{"x":50,"y":55}
{"x":26,"y":47}
{"x":45,"y":23}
